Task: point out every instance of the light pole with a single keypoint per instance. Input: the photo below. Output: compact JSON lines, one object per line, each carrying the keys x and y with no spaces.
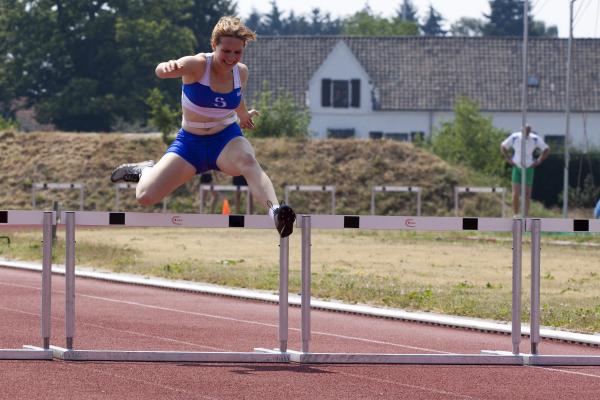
{"x":524,"y":108}
{"x":568,"y":115}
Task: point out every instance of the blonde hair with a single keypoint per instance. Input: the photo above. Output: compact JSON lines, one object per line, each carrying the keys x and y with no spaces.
{"x":232,"y":27}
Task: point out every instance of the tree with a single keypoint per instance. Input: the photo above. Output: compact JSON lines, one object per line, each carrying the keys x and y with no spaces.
{"x":407,"y":12}
{"x":506,"y":19}
{"x":279,"y":115}
{"x":163,"y":117}
{"x":365,"y":23}
{"x":470,"y":139}
{"x":433,"y":24}
{"x":467,"y":27}
{"x":273,"y":22}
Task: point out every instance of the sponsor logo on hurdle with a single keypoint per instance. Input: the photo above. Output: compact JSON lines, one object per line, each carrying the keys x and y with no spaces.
{"x":410,"y":223}
{"x":177,"y":220}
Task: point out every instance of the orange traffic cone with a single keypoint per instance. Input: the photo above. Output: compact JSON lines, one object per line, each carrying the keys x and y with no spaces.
{"x":226,"y":209}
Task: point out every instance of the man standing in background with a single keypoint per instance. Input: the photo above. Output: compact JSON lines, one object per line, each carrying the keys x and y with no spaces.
{"x":532,"y":142}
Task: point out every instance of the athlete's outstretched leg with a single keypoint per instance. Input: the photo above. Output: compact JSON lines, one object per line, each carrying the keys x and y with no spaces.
{"x":238,"y":158}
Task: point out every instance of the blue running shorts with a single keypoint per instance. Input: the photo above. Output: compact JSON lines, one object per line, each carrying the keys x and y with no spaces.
{"x":202,"y":151}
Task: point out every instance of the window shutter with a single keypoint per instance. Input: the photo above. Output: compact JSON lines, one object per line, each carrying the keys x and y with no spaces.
{"x":325,"y":92}
{"x":355,"y":102}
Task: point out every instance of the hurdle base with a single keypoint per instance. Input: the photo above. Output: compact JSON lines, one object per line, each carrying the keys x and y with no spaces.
{"x":168,"y":356}
{"x":418,"y":359}
{"x":26,"y":353}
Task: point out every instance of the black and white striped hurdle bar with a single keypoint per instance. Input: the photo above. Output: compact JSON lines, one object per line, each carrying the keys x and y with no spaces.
{"x":111,"y":219}
{"x":60,"y":186}
{"x":224,"y":188}
{"x":479,"y":189}
{"x":311,"y":188}
{"x":45,"y":220}
{"x":396,"y":189}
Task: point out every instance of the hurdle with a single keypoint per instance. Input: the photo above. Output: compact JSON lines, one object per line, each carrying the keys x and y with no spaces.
{"x":57,"y":185}
{"x":307,"y":222}
{"x":396,"y":189}
{"x":117,"y":219}
{"x":45,"y":219}
{"x":123,"y":185}
{"x":537,"y":226}
{"x":311,"y":188}
{"x":466,"y":189}
{"x":224,"y":188}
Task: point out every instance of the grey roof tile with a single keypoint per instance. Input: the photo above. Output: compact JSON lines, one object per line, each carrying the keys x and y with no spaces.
{"x":430,"y":73}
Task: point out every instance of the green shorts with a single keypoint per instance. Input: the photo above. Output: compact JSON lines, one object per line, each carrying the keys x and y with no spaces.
{"x":516,"y":176}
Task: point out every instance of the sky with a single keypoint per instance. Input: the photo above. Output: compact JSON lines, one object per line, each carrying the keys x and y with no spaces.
{"x":552,"y":12}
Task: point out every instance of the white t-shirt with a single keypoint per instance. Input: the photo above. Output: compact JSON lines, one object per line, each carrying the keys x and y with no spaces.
{"x":532,"y":142}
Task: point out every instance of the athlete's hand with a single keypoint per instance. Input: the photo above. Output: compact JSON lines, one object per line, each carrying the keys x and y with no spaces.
{"x":168,"y":66}
{"x":246,"y":121}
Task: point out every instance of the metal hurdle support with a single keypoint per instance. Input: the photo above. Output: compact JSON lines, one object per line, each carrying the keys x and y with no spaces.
{"x":414,"y":224}
{"x":225,"y":188}
{"x":130,"y":186}
{"x":311,"y":188}
{"x":43,"y":185}
{"x":117,"y":219}
{"x":406,"y":189}
{"x":44,"y":219}
{"x":536,"y":227}
{"x":465,"y":189}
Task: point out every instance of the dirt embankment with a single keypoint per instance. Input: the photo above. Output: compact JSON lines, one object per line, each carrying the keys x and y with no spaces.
{"x":353,"y":166}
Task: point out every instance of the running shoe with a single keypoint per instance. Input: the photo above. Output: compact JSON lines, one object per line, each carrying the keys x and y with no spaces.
{"x":284,"y":220}
{"x":130,"y":172}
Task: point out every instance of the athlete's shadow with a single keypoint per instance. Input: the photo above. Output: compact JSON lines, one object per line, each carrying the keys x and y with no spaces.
{"x":247,"y":369}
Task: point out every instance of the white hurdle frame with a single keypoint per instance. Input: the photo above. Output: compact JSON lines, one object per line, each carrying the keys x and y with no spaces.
{"x":57,"y":185}
{"x":414,"y":224}
{"x":481,"y":189}
{"x":311,"y":188}
{"x":115,"y":219}
{"x":45,"y":219}
{"x":124,"y":185}
{"x":224,"y":188}
{"x":405,"y":189}
{"x":537,"y":226}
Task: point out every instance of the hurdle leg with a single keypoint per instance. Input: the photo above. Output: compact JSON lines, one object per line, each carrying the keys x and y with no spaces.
{"x":516,"y":284}
{"x":47,"y":279}
{"x":535,"y":285}
{"x":283,"y":292}
{"x":70,"y":279}
{"x":306,"y":293}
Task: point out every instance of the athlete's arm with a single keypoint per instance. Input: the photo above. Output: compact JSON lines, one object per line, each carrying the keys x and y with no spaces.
{"x":244,"y":115}
{"x":188,"y":65}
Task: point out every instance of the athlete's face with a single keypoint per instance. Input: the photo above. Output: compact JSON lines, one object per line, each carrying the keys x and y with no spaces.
{"x":229,"y":51}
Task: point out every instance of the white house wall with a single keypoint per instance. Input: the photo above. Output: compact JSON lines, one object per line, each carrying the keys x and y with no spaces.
{"x":422,"y":121}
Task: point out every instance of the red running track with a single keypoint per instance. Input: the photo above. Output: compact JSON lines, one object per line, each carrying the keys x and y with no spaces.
{"x":118,"y":316}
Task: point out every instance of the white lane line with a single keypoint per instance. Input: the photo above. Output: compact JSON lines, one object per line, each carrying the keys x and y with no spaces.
{"x":567,"y":371}
{"x":424,"y":388}
{"x":193,"y":395}
{"x":168,"y":309}
{"x":120,"y":330}
{"x":137,"y":304}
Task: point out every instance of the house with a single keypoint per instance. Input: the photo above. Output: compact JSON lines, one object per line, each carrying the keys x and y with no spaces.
{"x":403,"y":87}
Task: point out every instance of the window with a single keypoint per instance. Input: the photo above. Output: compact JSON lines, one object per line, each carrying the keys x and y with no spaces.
{"x":375,"y":135}
{"x":402,"y":137}
{"x":340,"y":93}
{"x":533,"y":81}
{"x":340,"y":133}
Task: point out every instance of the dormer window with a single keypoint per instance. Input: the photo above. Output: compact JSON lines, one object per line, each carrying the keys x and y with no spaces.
{"x":340,"y":93}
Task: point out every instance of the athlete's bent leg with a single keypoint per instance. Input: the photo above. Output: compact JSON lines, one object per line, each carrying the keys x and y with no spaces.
{"x":159,"y":181}
{"x":238,"y":158}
